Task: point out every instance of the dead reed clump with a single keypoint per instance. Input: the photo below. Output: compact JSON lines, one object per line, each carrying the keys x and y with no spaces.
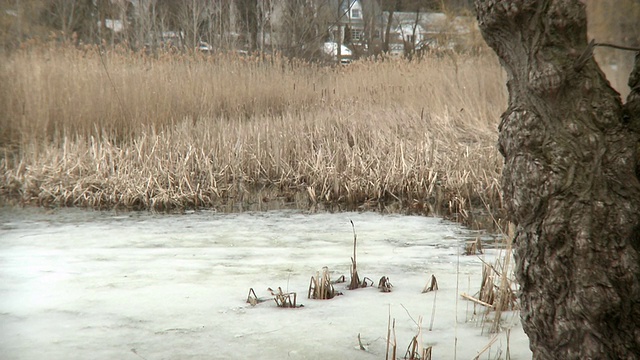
{"x":488,"y":287}
{"x":506,"y":299}
{"x":384,"y":284}
{"x":285,"y":299}
{"x":281,"y":298}
{"x":473,"y":247}
{"x":498,"y":289}
{"x":182,"y":131}
{"x":253,"y":299}
{"x":321,"y":287}
{"x":415,"y":350}
{"x":432,"y":285}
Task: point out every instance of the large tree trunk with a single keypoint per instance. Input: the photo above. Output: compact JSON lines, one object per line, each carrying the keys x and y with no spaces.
{"x":570,"y":182}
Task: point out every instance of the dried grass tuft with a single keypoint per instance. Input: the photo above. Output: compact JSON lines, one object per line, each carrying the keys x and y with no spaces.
{"x":498,"y":287}
{"x":487,"y":293}
{"x":321,"y":286}
{"x":473,"y":247}
{"x":252,"y":298}
{"x":413,"y":353}
{"x":415,"y":350}
{"x":384,"y":284}
{"x":432,"y":285}
{"x":285,"y":299}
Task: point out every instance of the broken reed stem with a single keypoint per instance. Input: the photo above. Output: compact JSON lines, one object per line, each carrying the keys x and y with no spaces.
{"x":322,"y":286}
{"x":487,"y":346}
{"x":427,"y":353}
{"x":360,"y":343}
{"x":395,"y":341}
{"x":433,"y":311}
{"x":415,"y":349}
{"x":355,"y":237}
{"x":419,"y":335}
{"x":507,"y":355}
{"x":505,"y":295}
{"x":388,"y":334}
{"x":412,"y":349}
{"x":355,"y":279}
{"x":477,"y":301}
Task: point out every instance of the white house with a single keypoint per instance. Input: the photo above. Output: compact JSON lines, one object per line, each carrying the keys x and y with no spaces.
{"x":425,"y":30}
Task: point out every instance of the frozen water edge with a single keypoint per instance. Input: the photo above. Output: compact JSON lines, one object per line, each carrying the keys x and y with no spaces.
{"x":83,"y":284}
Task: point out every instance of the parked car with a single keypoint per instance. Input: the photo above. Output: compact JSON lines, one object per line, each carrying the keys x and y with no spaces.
{"x":204,"y":47}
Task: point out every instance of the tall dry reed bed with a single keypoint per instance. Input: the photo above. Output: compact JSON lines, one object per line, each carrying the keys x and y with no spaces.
{"x":118,"y":129}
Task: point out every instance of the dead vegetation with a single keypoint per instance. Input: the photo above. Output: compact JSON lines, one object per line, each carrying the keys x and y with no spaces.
{"x":189,"y":131}
{"x":321,"y":287}
{"x":281,"y":298}
{"x":384,"y":284}
{"x":473,"y":247}
{"x":355,"y":282}
{"x":496,"y":295}
{"x":498,"y":286}
{"x":253,"y":299}
{"x":285,"y":299}
{"x":176,"y":132}
{"x":432,"y":285}
{"x":415,"y":350}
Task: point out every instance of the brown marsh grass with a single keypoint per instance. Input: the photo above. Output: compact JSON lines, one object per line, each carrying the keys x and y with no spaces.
{"x":114,"y":129}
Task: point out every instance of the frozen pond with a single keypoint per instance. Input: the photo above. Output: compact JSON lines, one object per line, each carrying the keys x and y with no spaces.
{"x":104,"y":285}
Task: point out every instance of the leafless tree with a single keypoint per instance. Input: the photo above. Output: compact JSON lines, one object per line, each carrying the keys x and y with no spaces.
{"x":391,"y":6}
{"x":371,"y":26}
{"x":191,"y":17}
{"x":303,"y":27}
{"x":74,"y":18}
{"x":248,"y":21}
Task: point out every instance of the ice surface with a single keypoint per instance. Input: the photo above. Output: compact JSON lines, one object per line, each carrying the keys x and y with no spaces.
{"x":104,"y":285}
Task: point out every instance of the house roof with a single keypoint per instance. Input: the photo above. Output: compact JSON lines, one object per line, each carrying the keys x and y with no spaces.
{"x":345,"y":5}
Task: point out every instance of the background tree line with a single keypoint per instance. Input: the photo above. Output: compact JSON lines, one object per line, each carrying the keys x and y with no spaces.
{"x":294,"y":27}
{"x":224,"y":24}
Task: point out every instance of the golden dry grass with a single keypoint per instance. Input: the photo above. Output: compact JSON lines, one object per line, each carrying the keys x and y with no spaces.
{"x":120,"y":129}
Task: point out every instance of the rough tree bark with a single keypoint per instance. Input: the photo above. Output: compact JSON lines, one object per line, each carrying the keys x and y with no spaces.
{"x":570,"y":182}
